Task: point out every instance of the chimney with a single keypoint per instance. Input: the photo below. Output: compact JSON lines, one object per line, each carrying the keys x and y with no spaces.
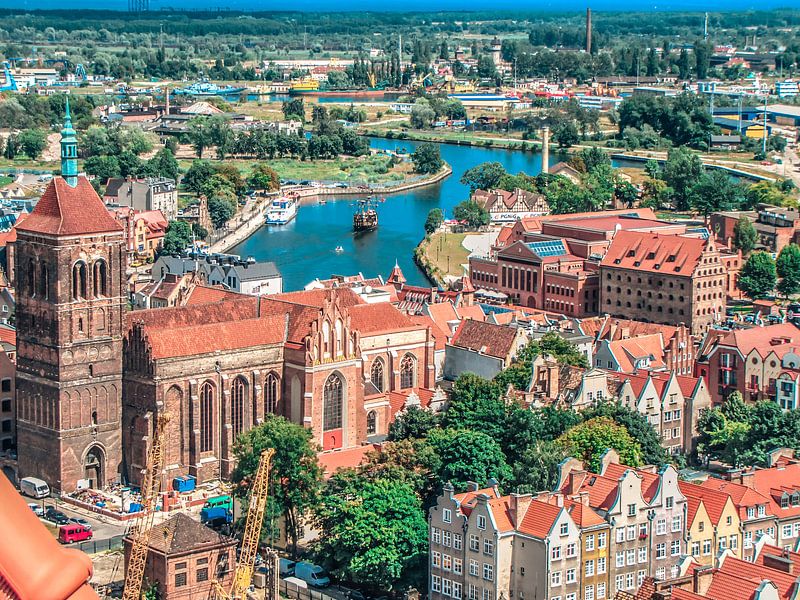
{"x":703,"y":576}
{"x":782,"y":563}
{"x":519,"y":506}
{"x":625,"y":333}
{"x":583,"y":498}
{"x":545,"y":149}
{"x":472,"y":486}
{"x":588,"y":31}
{"x":748,"y":480}
{"x":575,"y":481}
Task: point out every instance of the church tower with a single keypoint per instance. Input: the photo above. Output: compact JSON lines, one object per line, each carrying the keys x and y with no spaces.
{"x":71,"y":296}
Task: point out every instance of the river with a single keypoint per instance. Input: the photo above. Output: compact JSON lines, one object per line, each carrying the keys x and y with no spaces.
{"x":305,"y":248}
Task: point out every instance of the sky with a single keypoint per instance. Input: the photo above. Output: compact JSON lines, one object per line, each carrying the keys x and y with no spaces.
{"x":418,"y":5}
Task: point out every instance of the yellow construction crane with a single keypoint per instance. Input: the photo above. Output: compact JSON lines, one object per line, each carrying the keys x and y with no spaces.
{"x":252,"y":531}
{"x":140,"y":531}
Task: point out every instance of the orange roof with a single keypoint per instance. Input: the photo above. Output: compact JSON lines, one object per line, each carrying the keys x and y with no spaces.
{"x":397,"y":400}
{"x":738,"y":579}
{"x":628,"y":350}
{"x":650,"y":481}
{"x":376,"y":318}
{"x":539,"y":519}
{"x":535,"y":223}
{"x":493,"y":340}
{"x":442,"y":313}
{"x":440,"y":335}
{"x":501,"y":511}
{"x":205,"y":294}
{"x":8,"y":335}
{"x":345,"y":296}
{"x":774,"y":482}
{"x":741,"y":495}
{"x":654,"y":253}
{"x":474,"y":312}
{"x":333,"y":460}
{"x":687,"y":384}
{"x":602,"y":490}
{"x":713,"y":500}
{"x":66,"y":210}
{"x":609,"y":328}
{"x":762,"y":339}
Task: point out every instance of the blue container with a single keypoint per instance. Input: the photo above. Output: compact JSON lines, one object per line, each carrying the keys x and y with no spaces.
{"x":134,"y":507}
{"x":185,"y":483}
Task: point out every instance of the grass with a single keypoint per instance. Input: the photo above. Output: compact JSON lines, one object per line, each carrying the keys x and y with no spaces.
{"x":446,"y":252}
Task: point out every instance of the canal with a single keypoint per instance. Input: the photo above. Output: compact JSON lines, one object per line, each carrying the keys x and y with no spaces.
{"x":305,"y":248}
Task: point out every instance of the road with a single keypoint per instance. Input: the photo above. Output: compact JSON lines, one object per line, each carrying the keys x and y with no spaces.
{"x":103,"y":527}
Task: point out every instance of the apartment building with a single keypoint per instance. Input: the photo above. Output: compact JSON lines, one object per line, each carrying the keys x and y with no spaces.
{"x":750,"y":361}
{"x":712,"y":523}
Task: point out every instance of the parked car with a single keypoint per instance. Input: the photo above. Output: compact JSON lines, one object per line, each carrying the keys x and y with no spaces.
{"x":286,"y":567}
{"x":355,"y":595}
{"x":312,"y":574}
{"x":37,"y":509}
{"x":56,"y":516}
{"x":72,"y":532}
{"x":34,"y":487}
{"x":81,"y":522}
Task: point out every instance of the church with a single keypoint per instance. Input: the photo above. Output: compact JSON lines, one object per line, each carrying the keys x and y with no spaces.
{"x":93,"y":376}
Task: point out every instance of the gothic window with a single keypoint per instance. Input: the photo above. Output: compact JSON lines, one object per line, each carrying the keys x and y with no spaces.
{"x":339,"y":338}
{"x":326,"y":338}
{"x":238,"y":394}
{"x":376,"y":374}
{"x":206,"y":417}
{"x":271,"y":387}
{"x":100,"y":278}
{"x":408,"y":368}
{"x":333,"y":399}
{"x":372,"y":422}
{"x":31,"y":277}
{"x":79,"y":280}
{"x":44,"y":283}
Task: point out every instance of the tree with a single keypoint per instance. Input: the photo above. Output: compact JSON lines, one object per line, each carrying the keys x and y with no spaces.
{"x":163,"y":164}
{"x":32,"y":142}
{"x":264,"y":177}
{"x":220,"y":211}
{"x":376,"y":534}
{"x":468,"y":456}
{"x":427,"y":159}
{"x":473,"y":214}
{"x":589,"y":159}
{"x":589,"y":440}
{"x":476,"y":404}
{"x":715,"y":191}
{"x":199,"y":135}
{"x":197,"y":176}
{"x":485,"y":176}
{"x":537,"y":468}
{"x":565,"y":134}
{"x":758,"y":276}
{"x":744,"y":235}
{"x":682,"y":171}
{"x":637,"y":425}
{"x":102,"y":167}
{"x":422,"y":115}
{"x":486,"y":67}
{"x":413,"y":423}
{"x":294,"y":109}
{"x":177,"y":238}
{"x":434,"y":220}
{"x":412,"y":461}
{"x":295,"y":475}
{"x":788,"y":269}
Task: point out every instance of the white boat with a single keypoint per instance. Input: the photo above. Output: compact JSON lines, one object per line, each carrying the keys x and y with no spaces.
{"x":282,"y":210}
{"x":339,"y":250}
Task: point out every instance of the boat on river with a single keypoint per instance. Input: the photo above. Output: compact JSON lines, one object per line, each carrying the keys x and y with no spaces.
{"x":282,"y":210}
{"x":206,"y":88}
{"x":365,"y":217}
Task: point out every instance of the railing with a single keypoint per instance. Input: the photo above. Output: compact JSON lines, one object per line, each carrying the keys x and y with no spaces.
{"x":296,"y":592}
{"x":95,"y":546}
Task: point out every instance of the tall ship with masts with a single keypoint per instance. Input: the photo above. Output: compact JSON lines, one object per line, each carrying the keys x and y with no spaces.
{"x":365,"y":218}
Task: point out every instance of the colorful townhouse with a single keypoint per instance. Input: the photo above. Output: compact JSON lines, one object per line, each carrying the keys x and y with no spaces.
{"x":712,"y":523}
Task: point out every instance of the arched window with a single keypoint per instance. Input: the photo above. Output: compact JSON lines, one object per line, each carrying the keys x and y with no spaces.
{"x":333,"y":399}
{"x":206,"y":417}
{"x":339,"y":335}
{"x":408,"y":371}
{"x":271,"y":387}
{"x":238,"y":394}
{"x":376,"y":374}
{"x":44,"y":282}
{"x":79,"y":280}
{"x":326,"y":338}
{"x":100,"y":280}
{"x":31,"y":277}
{"x":372,"y":422}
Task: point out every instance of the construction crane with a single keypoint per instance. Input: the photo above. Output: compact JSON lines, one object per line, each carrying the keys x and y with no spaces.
{"x":252,"y":532}
{"x":140,"y":531}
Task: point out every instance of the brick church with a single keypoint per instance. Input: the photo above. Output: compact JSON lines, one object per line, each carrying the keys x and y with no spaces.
{"x":93,"y":377}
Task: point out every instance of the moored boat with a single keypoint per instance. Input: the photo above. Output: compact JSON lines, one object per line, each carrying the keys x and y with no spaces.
{"x":282,"y":210}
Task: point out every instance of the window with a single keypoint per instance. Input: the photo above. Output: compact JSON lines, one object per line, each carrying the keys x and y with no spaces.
{"x":436,"y":583}
{"x":481,"y":522}
{"x":488,"y":547}
{"x":474,"y":543}
{"x":447,"y":515}
{"x":100,"y":279}
{"x":630,"y":556}
{"x":629,"y":581}
{"x":661,"y":573}
{"x":601,"y":565}
{"x":436,"y":535}
{"x":620,"y":558}
{"x":601,"y":540}
{"x":555,"y":578}
{"x":734,"y":542}
{"x":447,"y":562}
{"x":238,"y":394}
{"x":588,"y":568}
{"x":563,"y":529}
{"x":572,"y":550}
{"x":486,"y":594}
{"x":457,"y":541}
{"x":332,"y":403}
{"x":372,"y":422}
{"x":642,"y":554}
{"x":676,"y":524}
{"x":79,"y":280}
{"x":570,"y":596}
{"x":620,"y":534}
{"x":6,"y":405}
{"x":723,"y":543}
{"x":180,"y":579}
{"x":706,"y":547}
{"x":5,"y":385}
{"x":601,"y":590}
{"x":457,"y":589}
{"x":786,"y":531}
{"x":408,"y":368}
{"x":488,"y":572}
{"x":661,"y":527}
{"x":642,"y":530}
{"x":640,"y":578}
{"x":376,"y":374}
{"x":473,"y":591}
{"x":751,"y":512}
{"x":571,"y":576}
{"x":555,"y":553}
{"x":271,"y":387}
{"x":202,"y":574}
{"x":661,"y":551}
{"x":695,"y":548}
{"x":474,"y":568}
{"x":589,"y":543}
{"x":447,"y":587}
{"x":458,"y":567}
{"x":670,"y":501}
{"x":675,"y":548}
{"x":748,"y":539}
{"x":762,"y":510}
{"x":631,"y":510}
{"x":446,"y":538}
{"x":206,"y":417}
{"x":436,"y":559}
{"x":619,"y":581}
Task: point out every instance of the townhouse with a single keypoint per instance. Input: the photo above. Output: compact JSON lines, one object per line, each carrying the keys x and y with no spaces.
{"x":712,"y":523}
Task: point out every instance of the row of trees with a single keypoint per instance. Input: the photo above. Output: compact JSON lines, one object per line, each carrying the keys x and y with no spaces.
{"x":761,"y":275}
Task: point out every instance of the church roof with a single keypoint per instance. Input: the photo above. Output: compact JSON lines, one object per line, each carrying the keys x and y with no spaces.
{"x":66,"y":210}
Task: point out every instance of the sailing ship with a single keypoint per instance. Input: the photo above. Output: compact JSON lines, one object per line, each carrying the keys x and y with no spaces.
{"x":365,"y":217}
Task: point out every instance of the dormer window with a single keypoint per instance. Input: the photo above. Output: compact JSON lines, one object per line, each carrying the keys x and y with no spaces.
{"x":795,"y":498}
{"x":631,"y":253}
{"x":651,"y":256}
{"x":785,"y":501}
{"x":762,"y":510}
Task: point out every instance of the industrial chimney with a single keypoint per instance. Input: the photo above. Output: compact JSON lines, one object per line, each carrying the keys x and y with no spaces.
{"x":588,"y":31}
{"x":545,"y":149}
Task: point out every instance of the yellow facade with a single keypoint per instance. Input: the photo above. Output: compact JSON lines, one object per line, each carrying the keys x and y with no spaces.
{"x":596,"y":562}
{"x":707,"y":538}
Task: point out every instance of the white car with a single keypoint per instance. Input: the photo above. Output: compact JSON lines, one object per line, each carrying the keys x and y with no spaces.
{"x":36,"y":508}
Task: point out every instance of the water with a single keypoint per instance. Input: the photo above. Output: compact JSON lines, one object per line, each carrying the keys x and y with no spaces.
{"x":305,"y":248}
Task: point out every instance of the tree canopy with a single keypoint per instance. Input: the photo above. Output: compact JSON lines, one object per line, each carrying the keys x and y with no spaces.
{"x":758,"y":276}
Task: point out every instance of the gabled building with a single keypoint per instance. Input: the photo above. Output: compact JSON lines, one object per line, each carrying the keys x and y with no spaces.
{"x":150,"y":193}
{"x":712,"y":523}
{"x":506,"y":206}
{"x":482,"y":348}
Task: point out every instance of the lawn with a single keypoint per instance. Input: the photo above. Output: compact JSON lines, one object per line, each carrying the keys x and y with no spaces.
{"x":446,"y":253}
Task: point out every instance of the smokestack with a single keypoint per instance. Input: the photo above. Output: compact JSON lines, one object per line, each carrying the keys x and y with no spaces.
{"x":166,"y":104}
{"x":545,"y":149}
{"x":588,"y":31}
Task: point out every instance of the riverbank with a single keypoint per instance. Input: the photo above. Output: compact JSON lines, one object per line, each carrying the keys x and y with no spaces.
{"x":456,"y":138}
{"x":737,"y":169}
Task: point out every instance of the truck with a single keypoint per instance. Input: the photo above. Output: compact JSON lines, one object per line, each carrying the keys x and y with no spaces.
{"x":34,"y":487}
{"x":215,"y":516}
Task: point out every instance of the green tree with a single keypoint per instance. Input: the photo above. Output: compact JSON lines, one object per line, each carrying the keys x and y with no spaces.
{"x":745,"y":235}
{"x":411,"y":461}
{"x":264,"y":177}
{"x":413,"y":423}
{"x":422,"y":115}
{"x":294,"y":109}
{"x":788,"y":269}
{"x":485,"y":176}
{"x":427,"y":158}
{"x":295,"y":476}
{"x":163,"y":164}
{"x":589,"y":440}
{"x":434,"y":220}
{"x":565,"y":134}
{"x":102,"y":167}
{"x":220,"y":210}
{"x":32,"y":142}
{"x":565,"y":352}
{"x":476,"y":404}
{"x":199,"y":135}
{"x":473,"y":214}
{"x":637,"y":425}
{"x":468,"y":456}
{"x":376,"y":534}
{"x":758,"y":276}
{"x":177,"y":238}
{"x":715,"y":191}
{"x":537,"y":468}
{"x":682,"y":172}
{"x":589,"y":159}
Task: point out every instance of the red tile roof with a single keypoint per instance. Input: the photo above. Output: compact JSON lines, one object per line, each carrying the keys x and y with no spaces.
{"x":473,"y":311}
{"x":64,"y":210}
{"x":440,"y":336}
{"x":738,"y":579}
{"x":205,"y":294}
{"x":713,"y":500}
{"x":370,"y":319}
{"x":629,"y":350}
{"x":333,"y":460}
{"x":539,"y":519}
{"x":672,"y":254}
{"x":774,"y":482}
{"x":8,"y":335}
{"x":493,"y":340}
{"x":397,"y":400}
{"x":741,"y":495}
{"x":650,"y":481}
{"x":602,"y":490}
{"x":345,"y":296}
{"x":763,"y":339}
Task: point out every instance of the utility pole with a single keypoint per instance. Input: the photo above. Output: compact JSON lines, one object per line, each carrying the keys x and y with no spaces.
{"x":705,"y":28}
{"x":764,"y":137}
{"x":515,"y":73}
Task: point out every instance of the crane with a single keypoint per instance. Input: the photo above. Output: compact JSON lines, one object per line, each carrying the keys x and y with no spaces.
{"x":252,"y":531}
{"x":140,"y":531}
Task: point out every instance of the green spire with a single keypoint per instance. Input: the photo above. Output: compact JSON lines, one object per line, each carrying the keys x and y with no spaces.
{"x":69,"y":150}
